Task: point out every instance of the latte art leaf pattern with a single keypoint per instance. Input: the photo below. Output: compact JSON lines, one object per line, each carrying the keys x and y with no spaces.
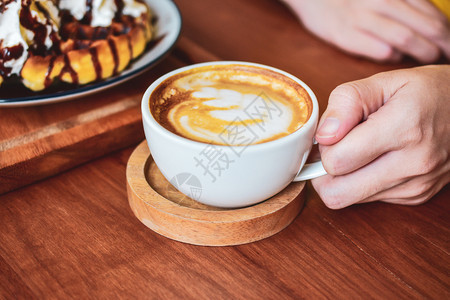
{"x":210,"y":111}
{"x":231,"y":107}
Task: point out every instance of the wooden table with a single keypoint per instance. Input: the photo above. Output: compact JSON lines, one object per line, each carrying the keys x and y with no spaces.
{"x":73,"y":235}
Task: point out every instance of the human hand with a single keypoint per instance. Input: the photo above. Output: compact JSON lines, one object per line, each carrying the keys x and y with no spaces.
{"x":386,"y":138}
{"x":383,"y":30}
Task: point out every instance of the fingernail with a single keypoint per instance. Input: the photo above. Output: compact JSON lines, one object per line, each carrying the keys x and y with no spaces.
{"x":328,"y":128}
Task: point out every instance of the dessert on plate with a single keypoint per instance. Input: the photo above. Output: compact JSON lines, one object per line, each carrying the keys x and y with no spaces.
{"x":77,"y":42}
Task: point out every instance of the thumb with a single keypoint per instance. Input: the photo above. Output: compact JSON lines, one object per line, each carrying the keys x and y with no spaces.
{"x":351,"y":103}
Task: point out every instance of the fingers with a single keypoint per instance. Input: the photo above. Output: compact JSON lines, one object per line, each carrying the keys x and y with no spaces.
{"x":358,"y":42}
{"x":398,"y":152}
{"x":382,"y":30}
{"x":402,"y":37}
{"x":365,"y":142}
{"x":353,"y":102}
{"x":426,"y":7}
{"x":381,"y":181}
{"x":420,"y":17}
{"x":341,"y":191}
{"x":345,"y":110}
{"x":413,"y":192}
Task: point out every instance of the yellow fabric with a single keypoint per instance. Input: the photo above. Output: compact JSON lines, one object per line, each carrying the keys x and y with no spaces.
{"x":443,"y":5}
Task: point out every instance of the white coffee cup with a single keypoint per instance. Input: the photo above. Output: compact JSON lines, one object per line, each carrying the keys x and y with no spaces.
{"x":249,"y":174}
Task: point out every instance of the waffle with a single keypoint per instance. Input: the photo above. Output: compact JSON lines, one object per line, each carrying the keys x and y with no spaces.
{"x":81,"y":53}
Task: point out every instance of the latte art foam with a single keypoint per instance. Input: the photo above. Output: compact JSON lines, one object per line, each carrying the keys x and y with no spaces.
{"x":230,"y":105}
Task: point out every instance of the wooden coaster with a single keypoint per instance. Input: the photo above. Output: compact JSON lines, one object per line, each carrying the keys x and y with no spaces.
{"x":158,"y":205}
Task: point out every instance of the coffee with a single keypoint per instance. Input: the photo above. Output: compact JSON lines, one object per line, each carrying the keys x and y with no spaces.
{"x":230,"y":104}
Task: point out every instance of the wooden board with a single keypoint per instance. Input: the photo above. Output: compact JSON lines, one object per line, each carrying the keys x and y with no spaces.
{"x":41,"y":141}
{"x":75,"y":236}
{"x":159,"y":206}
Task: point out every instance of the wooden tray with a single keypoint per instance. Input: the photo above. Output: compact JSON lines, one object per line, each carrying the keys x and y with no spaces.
{"x":159,"y":206}
{"x":37,"y":142}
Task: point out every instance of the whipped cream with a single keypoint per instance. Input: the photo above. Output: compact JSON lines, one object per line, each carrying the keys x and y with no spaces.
{"x":77,"y":8}
{"x":133,"y":8}
{"x":45,"y":13}
{"x":102,"y":11}
{"x":15,"y":34}
{"x":10,"y":36}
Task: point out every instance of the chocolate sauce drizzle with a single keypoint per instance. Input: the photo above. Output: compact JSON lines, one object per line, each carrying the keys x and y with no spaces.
{"x":4,"y":4}
{"x":53,"y":34}
{"x":87,"y":18}
{"x":119,"y":6}
{"x":68,"y":69}
{"x":48,"y":81}
{"x":97,"y":66}
{"x":88,"y":15}
{"x":83,"y":37}
{"x":115,"y":55}
{"x":7,"y":54}
{"x":39,"y":30}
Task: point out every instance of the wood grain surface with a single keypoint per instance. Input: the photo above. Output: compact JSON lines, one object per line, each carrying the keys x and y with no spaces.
{"x":74,"y":235}
{"x":159,"y":206}
{"x":49,"y":139}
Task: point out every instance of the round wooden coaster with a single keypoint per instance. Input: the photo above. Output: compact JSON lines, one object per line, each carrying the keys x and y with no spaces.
{"x":158,"y":205}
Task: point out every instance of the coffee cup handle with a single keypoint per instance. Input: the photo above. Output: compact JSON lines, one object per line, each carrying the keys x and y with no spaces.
{"x":310,"y":171}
